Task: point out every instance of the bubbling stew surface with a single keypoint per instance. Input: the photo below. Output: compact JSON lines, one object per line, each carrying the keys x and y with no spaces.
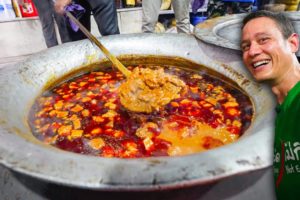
{"x":84,"y":115}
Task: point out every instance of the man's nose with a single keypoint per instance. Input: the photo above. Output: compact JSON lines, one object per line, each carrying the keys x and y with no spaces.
{"x":254,"y":49}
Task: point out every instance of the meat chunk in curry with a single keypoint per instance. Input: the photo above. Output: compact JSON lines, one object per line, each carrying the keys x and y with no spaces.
{"x":148,"y":90}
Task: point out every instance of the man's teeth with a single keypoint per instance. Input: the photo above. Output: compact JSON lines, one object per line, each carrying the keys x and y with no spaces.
{"x":259,"y":63}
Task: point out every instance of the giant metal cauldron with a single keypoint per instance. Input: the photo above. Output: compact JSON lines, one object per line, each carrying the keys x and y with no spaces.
{"x":21,"y":152}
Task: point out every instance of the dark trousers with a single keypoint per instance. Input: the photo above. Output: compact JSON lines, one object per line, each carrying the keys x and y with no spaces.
{"x":47,"y":16}
{"x":105,"y":14}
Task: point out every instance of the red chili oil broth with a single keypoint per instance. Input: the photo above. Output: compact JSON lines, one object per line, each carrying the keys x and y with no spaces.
{"x":84,"y":115}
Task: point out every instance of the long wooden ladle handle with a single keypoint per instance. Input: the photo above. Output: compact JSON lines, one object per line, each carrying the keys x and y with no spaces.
{"x":92,"y":38}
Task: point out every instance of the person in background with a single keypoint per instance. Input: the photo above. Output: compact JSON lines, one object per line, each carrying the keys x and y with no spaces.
{"x":47,"y":17}
{"x":151,"y":10}
{"x":104,"y":12}
{"x":269,"y":45}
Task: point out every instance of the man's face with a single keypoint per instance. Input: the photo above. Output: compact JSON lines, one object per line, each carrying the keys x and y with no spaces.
{"x":265,"y":52}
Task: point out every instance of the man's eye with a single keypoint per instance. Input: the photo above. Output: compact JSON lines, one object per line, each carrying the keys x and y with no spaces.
{"x":245,"y":47}
{"x":263,"y":40}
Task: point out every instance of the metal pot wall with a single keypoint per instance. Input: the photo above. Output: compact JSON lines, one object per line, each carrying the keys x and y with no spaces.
{"x":21,"y":152}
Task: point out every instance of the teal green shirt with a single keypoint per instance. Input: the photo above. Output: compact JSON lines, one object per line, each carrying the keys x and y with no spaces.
{"x":287,"y":146}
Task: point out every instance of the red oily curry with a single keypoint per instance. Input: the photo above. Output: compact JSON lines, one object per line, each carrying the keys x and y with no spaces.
{"x":85,"y":115}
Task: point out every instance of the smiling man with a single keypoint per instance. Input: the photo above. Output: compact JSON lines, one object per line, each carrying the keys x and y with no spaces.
{"x":269,"y":44}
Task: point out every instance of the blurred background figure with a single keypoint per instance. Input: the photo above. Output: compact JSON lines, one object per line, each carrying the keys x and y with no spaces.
{"x":104,"y":12}
{"x":48,"y":17}
{"x":151,"y":10}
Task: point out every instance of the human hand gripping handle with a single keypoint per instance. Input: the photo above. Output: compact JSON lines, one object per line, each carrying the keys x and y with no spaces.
{"x":60,"y":5}
{"x":77,"y":11}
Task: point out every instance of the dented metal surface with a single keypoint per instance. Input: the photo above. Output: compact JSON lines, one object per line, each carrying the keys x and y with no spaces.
{"x":226,"y":31}
{"x":20,"y":151}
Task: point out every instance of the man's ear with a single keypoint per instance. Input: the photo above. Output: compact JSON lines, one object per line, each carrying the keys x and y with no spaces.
{"x":294,"y":42}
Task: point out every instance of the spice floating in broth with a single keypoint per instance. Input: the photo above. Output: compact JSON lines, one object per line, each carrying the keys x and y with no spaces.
{"x":85,"y":115}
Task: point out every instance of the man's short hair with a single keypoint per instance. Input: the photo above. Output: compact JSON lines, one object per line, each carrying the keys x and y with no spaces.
{"x":284,"y":24}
